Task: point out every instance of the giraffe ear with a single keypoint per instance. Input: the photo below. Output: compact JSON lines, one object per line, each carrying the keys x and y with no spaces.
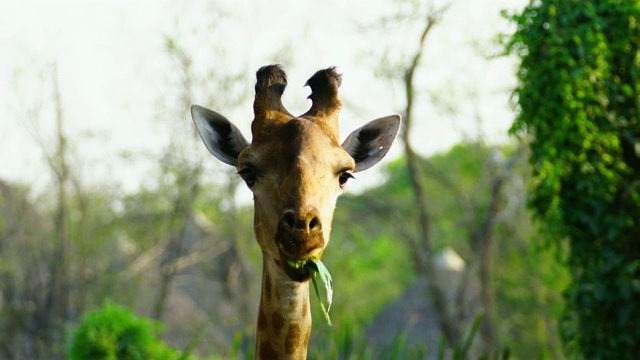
{"x":223,"y":139}
{"x":370,"y":143}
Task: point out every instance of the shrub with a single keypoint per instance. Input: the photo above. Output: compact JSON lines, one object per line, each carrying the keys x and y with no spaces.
{"x":115,"y":332}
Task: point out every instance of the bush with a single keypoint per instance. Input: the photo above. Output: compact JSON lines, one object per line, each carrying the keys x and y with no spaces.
{"x":115,"y":332}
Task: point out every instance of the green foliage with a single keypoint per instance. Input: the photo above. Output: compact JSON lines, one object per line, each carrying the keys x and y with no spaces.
{"x":114,"y":332}
{"x":579,"y":98}
{"x":453,"y":181}
{"x":361,"y":261}
{"x":367,"y":248}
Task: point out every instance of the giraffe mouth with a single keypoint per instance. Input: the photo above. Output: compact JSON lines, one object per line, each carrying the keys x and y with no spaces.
{"x":295,"y":249}
{"x":296,"y":266}
{"x":295,"y":269}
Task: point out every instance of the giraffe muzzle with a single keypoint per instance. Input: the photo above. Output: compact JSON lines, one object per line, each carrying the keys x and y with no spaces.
{"x":299,"y":234}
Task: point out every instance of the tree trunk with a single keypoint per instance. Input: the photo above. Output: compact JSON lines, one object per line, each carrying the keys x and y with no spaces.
{"x":56,"y":304}
{"x":181,"y":215}
{"x":423,"y":254}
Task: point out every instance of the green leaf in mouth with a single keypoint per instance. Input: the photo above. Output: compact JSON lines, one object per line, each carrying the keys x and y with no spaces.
{"x":297,"y":264}
{"x":317,"y":271}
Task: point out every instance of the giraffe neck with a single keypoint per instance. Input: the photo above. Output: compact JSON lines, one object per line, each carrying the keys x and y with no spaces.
{"x":284,"y":317}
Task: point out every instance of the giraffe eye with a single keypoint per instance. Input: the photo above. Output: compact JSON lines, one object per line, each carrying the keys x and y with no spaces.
{"x":344,"y":178}
{"x":248,"y":175}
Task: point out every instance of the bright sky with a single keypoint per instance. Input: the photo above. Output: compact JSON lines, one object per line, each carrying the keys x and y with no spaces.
{"x":114,"y":72}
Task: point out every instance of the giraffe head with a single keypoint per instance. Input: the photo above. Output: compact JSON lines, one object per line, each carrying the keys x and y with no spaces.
{"x":295,"y":166}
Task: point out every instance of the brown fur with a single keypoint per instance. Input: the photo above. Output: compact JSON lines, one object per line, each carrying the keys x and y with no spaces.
{"x":262,"y":321}
{"x":277,"y":321}
{"x":266,"y":351}
{"x":267,"y":287}
{"x":292,"y":341}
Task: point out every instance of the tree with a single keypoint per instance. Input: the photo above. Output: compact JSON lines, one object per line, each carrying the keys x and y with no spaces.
{"x":578,"y":97}
{"x":477,"y":223}
{"x":52,"y":244}
{"x":191,"y":186}
{"x":423,"y":251}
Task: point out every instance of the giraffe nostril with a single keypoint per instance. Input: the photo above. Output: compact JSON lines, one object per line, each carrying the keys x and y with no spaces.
{"x":288,"y":220}
{"x":314,"y":224}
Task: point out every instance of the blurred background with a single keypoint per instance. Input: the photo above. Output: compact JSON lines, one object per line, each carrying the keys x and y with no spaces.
{"x":108,"y":195}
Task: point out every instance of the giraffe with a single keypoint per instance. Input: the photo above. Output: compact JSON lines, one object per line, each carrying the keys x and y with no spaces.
{"x":296,"y":169}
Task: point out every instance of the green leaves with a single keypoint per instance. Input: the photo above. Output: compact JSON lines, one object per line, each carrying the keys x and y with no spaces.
{"x":297,"y":264}
{"x":320,"y":273}
{"x":115,"y":332}
{"x":578,"y":96}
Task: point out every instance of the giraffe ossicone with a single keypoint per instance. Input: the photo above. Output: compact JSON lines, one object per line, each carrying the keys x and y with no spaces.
{"x":296,"y":169}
